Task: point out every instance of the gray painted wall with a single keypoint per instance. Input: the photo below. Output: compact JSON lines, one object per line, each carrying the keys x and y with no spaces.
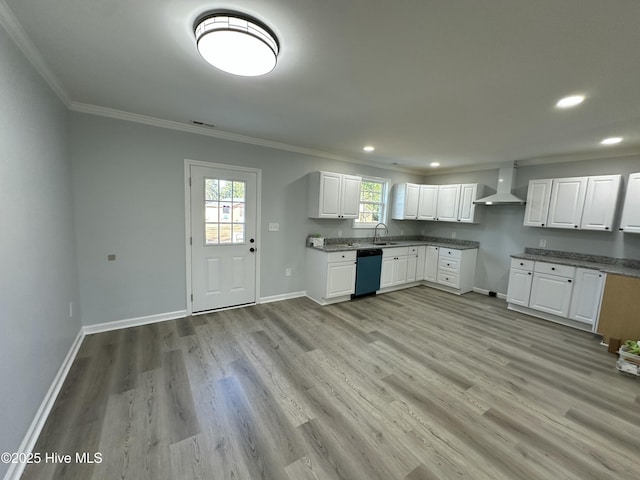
{"x":501,"y":232}
{"x":129,"y":201}
{"x":38,"y":273}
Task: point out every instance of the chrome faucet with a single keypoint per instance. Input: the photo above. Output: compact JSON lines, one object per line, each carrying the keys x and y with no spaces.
{"x":376,"y":238}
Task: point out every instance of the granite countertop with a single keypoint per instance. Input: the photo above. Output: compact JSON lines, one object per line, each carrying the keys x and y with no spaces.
{"x":618,"y":266}
{"x":346,"y":244}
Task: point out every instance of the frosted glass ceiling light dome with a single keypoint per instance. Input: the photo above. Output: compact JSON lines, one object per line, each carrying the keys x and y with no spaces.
{"x":237,"y":44}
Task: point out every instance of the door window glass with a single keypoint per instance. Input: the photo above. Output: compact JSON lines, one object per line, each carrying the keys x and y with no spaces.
{"x":224,"y":211}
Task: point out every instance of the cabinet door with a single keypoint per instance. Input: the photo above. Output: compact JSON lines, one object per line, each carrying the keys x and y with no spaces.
{"x":467,"y":209}
{"x":386,"y":272}
{"x":412,"y":197}
{"x":350,"y":196}
{"x":551,"y":294}
{"x":538,"y":197}
{"x":422,"y":252}
{"x":567,"y":202}
{"x":341,"y":279}
{"x":400,"y":265}
{"x":412,"y":267}
{"x":519,"y":288}
{"x":428,"y":202}
{"x":587,"y":293}
{"x":448,"y":203}
{"x":600,"y":203}
{"x":630,"y":222}
{"x":330,"y":190}
{"x":431,"y":264}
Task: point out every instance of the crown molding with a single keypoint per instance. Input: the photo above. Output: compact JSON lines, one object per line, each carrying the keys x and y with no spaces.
{"x":234,"y":137}
{"x":11,"y":24}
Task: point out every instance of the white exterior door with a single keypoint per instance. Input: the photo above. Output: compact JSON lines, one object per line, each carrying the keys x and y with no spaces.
{"x":223,"y":219}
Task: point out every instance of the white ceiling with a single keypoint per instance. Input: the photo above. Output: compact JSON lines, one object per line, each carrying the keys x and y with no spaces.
{"x":463,"y":82}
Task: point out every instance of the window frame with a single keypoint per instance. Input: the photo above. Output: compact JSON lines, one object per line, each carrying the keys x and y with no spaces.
{"x":386,"y":184}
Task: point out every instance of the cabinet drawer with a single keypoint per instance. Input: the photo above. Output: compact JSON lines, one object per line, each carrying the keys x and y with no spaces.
{"x":341,"y":256}
{"x":555,"y":269}
{"x":395,"y":252}
{"x":449,"y":279}
{"x":522,"y":264}
{"x":449,"y":264}
{"x":448,"y":252}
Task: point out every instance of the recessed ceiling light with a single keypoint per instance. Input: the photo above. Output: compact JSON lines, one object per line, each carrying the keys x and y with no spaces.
{"x":611,"y":141}
{"x":568,"y":102}
{"x":368,"y":148}
{"x":435,"y":164}
{"x":237,"y":44}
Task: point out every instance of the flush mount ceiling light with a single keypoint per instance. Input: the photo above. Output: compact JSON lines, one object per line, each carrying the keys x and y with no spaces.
{"x":236,"y":43}
{"x":611,"y":141}
{"x":435,"y":164}
{"x":572,"y":101}
{"x":368,"y":148}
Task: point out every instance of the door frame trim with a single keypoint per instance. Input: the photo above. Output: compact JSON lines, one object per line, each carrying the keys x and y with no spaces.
{"x":187,"y":222}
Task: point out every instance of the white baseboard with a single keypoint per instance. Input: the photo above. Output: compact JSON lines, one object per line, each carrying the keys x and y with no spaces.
{"x":482,"y":291}
{"x":132,"y":322}
{"x":16,"y":469}
{"x":284,"y":296}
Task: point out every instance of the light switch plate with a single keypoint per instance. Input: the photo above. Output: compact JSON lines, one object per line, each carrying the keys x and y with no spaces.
{"x":274,"y":227}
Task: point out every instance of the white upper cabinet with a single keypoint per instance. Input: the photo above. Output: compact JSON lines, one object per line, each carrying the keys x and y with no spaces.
{"x":600,"y":202}
{"x":333,"y":195}
{"x":538,"y":197}
{"x":467,"y":209}
{"x":567,"y":202}
{"x":428,"y":202}
{"x":631,"y":214}
{"x":405,"y":201}
{"x":448,"y":203}
{"x":578,"y":203}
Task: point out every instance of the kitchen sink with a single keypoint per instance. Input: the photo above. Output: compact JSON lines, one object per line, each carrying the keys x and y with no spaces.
{"x":382,"y":244}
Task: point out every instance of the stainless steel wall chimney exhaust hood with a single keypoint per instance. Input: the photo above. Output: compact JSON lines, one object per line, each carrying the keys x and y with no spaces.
{"x":504,"y":195}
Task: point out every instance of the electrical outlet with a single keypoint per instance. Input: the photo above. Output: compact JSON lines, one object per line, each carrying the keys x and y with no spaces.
{"x":287,"y":272}
{"x":543,"y":243}
{"x":274,"y":227}
{"x":453,"y":234}
{"x":111,"y":257}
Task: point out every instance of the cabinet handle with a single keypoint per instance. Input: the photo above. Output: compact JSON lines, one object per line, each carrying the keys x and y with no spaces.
{"x":606,"y":228}
{"x":569,"y":281}
{"x":522,"y":264}
{"x":553,"y":268}
{"x":575,"y":226}
{"x":621,"y":229}
{"x":529,"y":273}
{"x":543,"y":224}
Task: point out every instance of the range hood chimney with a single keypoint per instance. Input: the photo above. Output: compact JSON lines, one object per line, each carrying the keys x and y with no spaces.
{"x":504,"y":195}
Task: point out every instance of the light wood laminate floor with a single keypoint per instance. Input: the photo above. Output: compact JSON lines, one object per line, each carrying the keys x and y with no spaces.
{"x":415,"y":384}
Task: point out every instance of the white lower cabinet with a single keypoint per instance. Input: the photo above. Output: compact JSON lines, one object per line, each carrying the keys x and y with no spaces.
{"x":560,"y":291}
{"x":551,"y":294}
{"x":520,"y":279}
{"x":420,"y":257}
{"x":587,"y":295}
{"x":431,"y":264}
{"x":394,"y":266}
{"x":412,"y":264}
{"x":331,"y":276}
{"x":451,"y":268}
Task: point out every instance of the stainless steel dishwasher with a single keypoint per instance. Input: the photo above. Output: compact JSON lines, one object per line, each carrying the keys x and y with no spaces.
{"x":368,"y":266}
